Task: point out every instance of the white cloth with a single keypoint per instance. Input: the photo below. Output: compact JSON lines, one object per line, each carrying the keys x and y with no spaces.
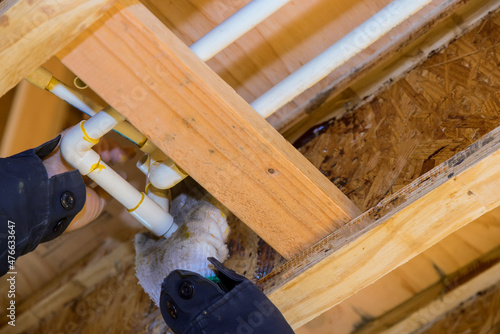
{"x":202,"y":233}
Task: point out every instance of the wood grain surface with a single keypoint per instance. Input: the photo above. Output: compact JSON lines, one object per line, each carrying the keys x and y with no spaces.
{"x":28,"y":38}
{"x":178,"y":102}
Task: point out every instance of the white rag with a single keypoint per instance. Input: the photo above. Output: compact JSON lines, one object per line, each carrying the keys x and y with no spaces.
{"x":202,"y":233}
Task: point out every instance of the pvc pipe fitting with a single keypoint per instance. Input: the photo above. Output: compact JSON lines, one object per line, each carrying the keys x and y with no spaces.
{"x":76,"y":148}
{"x":43,"y":79}
{"x":162,"y":174}
{"x":165,"y":174}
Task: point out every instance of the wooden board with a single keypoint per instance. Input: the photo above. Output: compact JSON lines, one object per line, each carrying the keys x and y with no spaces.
{"x":365,"y":155}
{"x":388,"y":235}
{"x":478,"y":314}
{"x":196,"y":119}
{"x":28,"y":38}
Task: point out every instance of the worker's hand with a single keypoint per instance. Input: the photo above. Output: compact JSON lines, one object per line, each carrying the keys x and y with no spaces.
{"x":202,"y":233}
{"x":96,"y":197}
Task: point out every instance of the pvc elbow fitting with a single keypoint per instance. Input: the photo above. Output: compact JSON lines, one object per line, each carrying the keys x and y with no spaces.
{"x":76,"y":148}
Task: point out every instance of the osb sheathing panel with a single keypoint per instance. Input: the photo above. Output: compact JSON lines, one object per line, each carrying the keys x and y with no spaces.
{"x":422,"y":120}
{"x":425,"y":118}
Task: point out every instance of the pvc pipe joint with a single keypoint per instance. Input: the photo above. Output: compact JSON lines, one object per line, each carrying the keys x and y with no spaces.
{"x":162,"y":174}
{"x":76,"y":148}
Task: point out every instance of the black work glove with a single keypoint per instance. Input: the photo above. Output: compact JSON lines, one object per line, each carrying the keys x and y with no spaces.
{"x":228,"y":303}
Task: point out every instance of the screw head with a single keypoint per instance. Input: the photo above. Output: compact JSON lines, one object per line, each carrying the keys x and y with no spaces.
{"x":68,"y":201}
{"x":186,"y":290}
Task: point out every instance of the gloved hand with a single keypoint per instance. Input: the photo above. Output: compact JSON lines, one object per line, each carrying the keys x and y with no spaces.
{"x":202,"y":233}
{"x":97,"y":198}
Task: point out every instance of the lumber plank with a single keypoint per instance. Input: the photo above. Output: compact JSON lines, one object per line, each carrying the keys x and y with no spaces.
{"x":446,"y":265}
{"x":33,"y":31}
{"x":425,"y":316}
{"x":397,"y":229}
{"x":480,"y":313}
{"x":206,"y":128}
{"x":444,"y":295}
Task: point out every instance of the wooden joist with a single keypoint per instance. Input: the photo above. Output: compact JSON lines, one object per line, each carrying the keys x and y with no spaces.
{"x":138,"y":66}
{"x":388,"y":235}
{"x":446,"y":294}
{"x":35,"y":112}
{"x":33,"y":31}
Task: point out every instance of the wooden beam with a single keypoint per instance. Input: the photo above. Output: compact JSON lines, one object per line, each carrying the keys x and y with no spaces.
{"x":475,"y":309}
{"x":33,"y":31}
{"x":388,"y":235}
{"x":138,"y":66}
{"x":445,"y":303}
{"x":36,"y":116}
{"x":446,"y":265}
{"x":447,"y":293}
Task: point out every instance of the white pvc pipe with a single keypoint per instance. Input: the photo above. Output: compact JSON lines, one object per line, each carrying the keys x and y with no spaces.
{"x":89,"y":107}
{"x":77,"y":100}
{"x":76,"y":148}
{"x":165,"y":173}
{"x":339,"y":53}
{"x":234,"y":27}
